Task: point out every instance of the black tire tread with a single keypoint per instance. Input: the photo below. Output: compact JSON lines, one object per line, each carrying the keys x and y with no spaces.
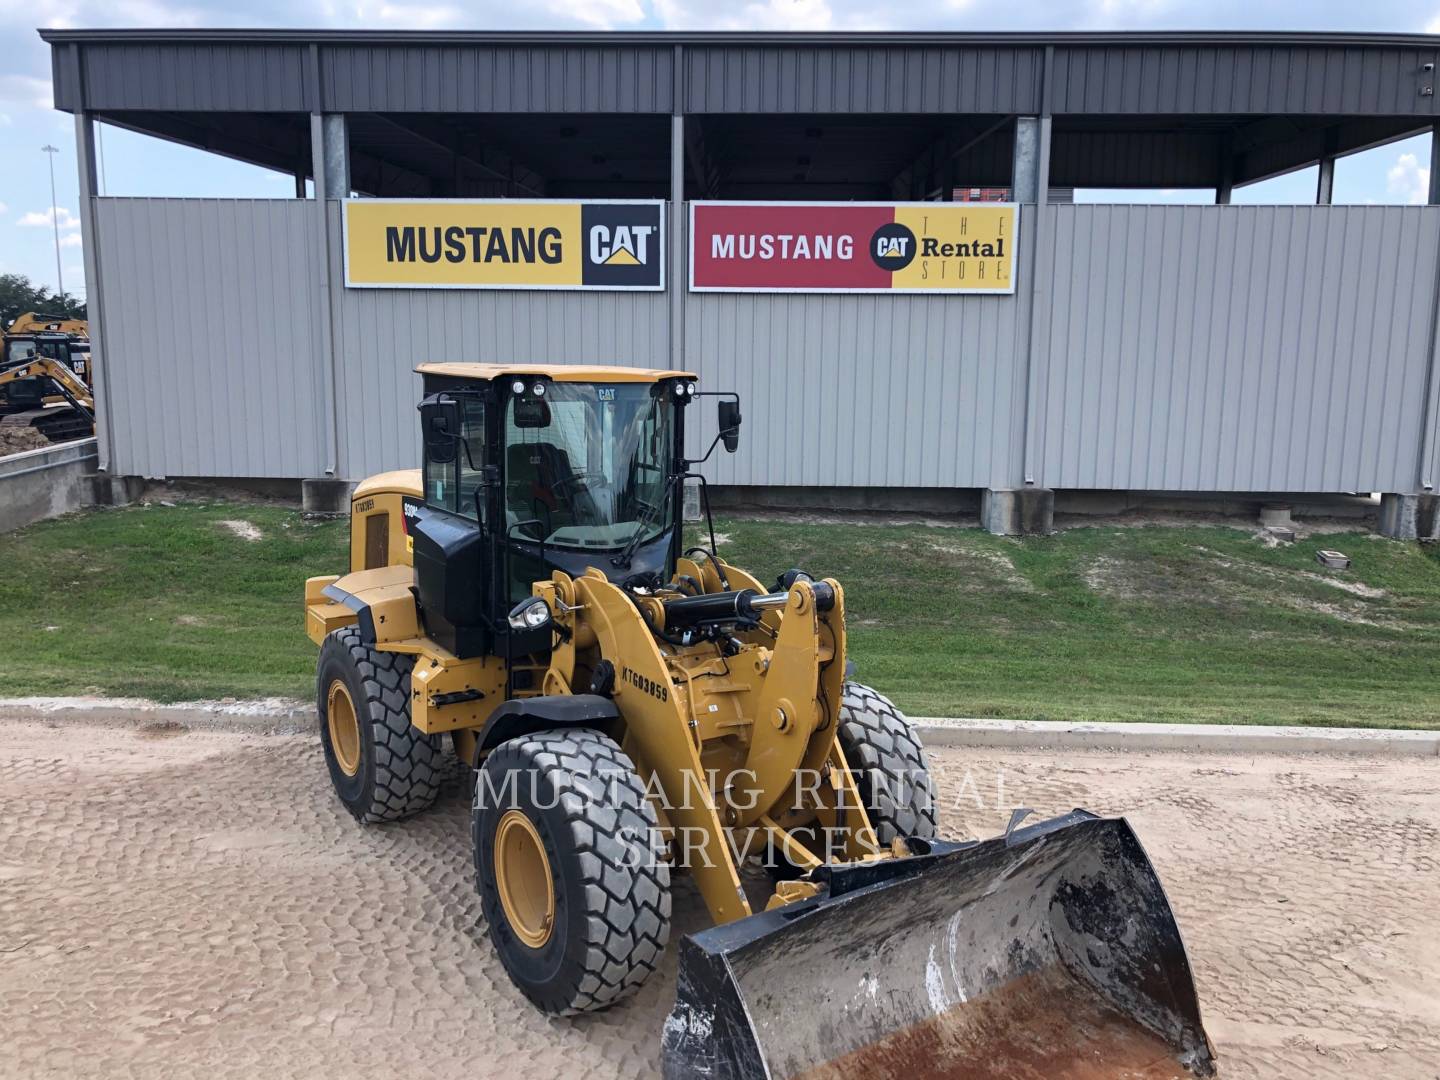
{"x":881,"y":745}
{"x":628,"y":907}
{"x":408,"y":763}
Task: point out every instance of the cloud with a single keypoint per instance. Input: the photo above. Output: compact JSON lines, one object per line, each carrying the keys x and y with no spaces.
{"x":3,"y":208}
{"x":26,"y":91}
{"x":62,"y":15}
{"x":1407,"y":181}
{"x":403,"y":15}
{"x":71,"y":239}
{"x":1433,"y":26}
{"x":810,"y":15}
{"x":601,"y":14}
{"x":48,"y":217}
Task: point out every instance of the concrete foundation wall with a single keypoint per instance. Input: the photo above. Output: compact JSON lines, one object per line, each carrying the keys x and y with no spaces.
{"x":44,"y":483}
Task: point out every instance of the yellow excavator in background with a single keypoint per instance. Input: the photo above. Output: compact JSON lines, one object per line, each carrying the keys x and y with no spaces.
{"x":45,"y":377}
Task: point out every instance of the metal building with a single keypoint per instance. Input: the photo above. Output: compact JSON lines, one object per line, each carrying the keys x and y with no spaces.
{"x":1216,"y":348}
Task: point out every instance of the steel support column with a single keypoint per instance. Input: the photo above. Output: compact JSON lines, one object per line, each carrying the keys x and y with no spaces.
{"x":1325,"y":182}
{"x":1434,"y":195}
{"x":330,"y":445}
{"x":94,"y":293}
{"x":1225,"y":171}
{"x":676,"y":279}
{"x":337,"y":156}
{"x":1025,"y":165}
{"x":1431,"y":419}
{"x":1030,"y":185}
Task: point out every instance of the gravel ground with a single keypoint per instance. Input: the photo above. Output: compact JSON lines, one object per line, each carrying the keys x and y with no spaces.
{"x":177,"y":902}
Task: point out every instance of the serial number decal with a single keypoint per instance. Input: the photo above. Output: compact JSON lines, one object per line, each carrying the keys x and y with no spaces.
{"x":656,"y":690}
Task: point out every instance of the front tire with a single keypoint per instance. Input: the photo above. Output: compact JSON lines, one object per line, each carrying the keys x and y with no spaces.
{"x":568,"y":865}
{"x":383,"y":768}
{"x":891,"y":769}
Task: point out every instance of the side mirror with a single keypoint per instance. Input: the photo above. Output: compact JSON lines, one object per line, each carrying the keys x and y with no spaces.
{"x":730,"y":425}
{"x":440,"y":428}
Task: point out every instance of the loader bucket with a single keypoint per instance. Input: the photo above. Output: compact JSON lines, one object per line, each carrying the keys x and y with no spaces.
{"x":1047,"y":954}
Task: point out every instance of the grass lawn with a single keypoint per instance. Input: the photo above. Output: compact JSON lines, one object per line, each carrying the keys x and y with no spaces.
{"x":1198,"y":623}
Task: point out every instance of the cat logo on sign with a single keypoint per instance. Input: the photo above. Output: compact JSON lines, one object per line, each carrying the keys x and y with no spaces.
{"x":623,"y":245}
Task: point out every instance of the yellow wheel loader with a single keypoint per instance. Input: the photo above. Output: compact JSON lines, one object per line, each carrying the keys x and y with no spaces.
{"x":634,"y":709}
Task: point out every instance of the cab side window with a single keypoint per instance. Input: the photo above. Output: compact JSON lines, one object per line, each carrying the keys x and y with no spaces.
{"x":451,"y":485}
{"x":440,"y":485}
{"x":472,"y":459}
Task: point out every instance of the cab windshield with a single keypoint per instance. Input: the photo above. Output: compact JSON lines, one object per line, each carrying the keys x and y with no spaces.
{"x":585,"y":465}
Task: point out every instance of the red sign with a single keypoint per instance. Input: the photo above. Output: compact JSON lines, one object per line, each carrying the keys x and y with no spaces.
{"x":852,"y":247}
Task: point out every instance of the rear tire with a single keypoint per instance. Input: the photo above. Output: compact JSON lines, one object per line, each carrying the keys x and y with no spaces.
{"x":383,"y":768}
{"x":890,"y":766}
{"x":580,"y":801}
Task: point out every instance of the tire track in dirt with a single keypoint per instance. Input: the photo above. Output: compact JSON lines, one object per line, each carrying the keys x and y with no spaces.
{"x":202,"y":905}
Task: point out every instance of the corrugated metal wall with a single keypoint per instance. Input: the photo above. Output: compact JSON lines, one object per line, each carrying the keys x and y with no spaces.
{"x":203,"y":76}
{"x":1196,"y":348}
{"x":518,"y":78}
{"x":1241,"y":78}
{"x":1160,"y":74}
{"x":211,"y":340}
{"x":862,"y":79}
{"x":1233,"y":348}
{"x":862,"y":391}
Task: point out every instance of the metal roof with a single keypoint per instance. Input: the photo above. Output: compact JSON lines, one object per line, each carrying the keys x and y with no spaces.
{"x":693,"y":37}
{"x":718,"y":72}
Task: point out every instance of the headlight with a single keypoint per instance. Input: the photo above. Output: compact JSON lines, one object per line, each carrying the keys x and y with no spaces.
{"x":538,"y":389}
{"x":529,"y":614}
{"x":518,"y":386}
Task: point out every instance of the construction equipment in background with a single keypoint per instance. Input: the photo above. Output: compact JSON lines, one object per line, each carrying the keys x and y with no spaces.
{"x":35,"y":336}
{"x":66,"y":410}
{"x":634,"y":708}
{"x":45,"y":377}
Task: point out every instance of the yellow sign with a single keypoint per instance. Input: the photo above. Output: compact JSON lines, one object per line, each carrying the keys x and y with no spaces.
{"x":503,"y":244}
{"x":959,"y":246}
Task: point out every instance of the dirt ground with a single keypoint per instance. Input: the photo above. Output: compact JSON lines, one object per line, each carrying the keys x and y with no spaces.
{"x":15,"y":440}
{"x":187,"y":903}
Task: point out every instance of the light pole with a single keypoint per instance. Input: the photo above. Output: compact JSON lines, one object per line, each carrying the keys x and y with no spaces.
{"x":50,"y":152}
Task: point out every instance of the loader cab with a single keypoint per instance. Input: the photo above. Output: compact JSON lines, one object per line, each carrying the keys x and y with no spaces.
{"x":535,"y":469}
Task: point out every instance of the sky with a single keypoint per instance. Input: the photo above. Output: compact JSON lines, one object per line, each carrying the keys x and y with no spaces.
{"x":136,"y":165}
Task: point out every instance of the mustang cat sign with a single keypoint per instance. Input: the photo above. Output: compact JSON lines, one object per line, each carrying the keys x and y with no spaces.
{"x":503,"y":244}
{"x":924,"y":247}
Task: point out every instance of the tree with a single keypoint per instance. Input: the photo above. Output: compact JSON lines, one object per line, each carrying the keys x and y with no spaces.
{"x":18,"y":294}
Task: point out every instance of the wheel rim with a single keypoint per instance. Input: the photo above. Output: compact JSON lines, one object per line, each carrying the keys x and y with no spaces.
{"x":344,"y":728}
{"x":522,"y":877}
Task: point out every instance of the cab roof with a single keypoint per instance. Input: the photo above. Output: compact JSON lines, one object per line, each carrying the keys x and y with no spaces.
{"x":556,"y":372}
